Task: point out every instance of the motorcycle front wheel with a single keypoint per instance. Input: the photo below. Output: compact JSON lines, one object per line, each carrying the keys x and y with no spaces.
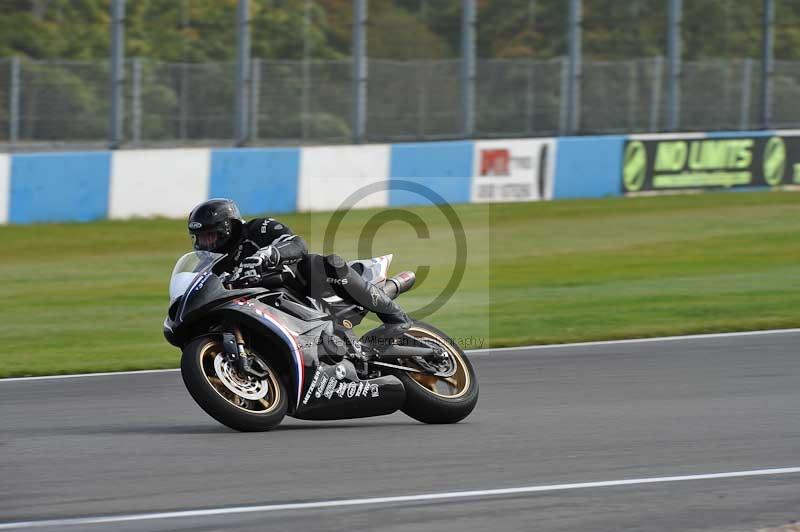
{"x":241,"y":402}
{"x":438,"y":399}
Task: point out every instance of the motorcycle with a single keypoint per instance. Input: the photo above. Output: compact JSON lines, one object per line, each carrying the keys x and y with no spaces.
{"x":255,"y":352}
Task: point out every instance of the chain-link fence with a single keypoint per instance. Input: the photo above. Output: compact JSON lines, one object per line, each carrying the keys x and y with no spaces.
{"x":517,"y":97}
{"x":180,"y":101}
{"x":59,"y":101}
{"x":5,"y":96}
{"x":298,"y":102}
{"x":301,"y":101}
{"x":523,"y":82}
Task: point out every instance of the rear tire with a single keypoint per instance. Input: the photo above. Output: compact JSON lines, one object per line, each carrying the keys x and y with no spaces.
{"x":426,"y":401}
{"x":211,"y":382}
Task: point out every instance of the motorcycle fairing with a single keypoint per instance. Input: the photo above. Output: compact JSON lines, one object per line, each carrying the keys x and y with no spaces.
{"x":341,"y":402}
{"x":291,"y":340}
{"x":299,"y":336}
{"x":336,"y":392}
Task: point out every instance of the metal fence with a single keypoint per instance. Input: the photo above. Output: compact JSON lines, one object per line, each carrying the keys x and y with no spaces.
{"x":298,"y":102}
{"x":572,"y":81}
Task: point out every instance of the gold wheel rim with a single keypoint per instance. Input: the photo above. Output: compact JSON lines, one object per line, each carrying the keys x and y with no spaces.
{"x":264,"y":405}
{"x":458,"y":383}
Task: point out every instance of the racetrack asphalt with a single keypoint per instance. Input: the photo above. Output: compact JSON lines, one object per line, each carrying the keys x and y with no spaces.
{"x":136,"y":443}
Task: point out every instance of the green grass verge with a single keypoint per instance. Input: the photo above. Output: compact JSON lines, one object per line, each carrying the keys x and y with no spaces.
{"x":91,"y":297}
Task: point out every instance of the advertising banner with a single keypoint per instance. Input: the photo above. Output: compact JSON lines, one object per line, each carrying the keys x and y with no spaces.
{"x":513,"y":170}
{"x":665,"y":163}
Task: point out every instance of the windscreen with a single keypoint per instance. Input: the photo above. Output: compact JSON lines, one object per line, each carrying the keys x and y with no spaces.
{"x":187,"y":268}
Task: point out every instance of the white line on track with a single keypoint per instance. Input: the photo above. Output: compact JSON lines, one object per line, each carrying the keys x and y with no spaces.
{"x":453,"y":495}
{"x":470,"y":352}
{"x":635,"y":341}
{"x":81,"y":375}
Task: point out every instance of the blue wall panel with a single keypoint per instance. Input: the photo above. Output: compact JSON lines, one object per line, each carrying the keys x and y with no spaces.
{"x":588,"y":167}
{"x":56,"y":187}
{"x":736,"y":134}
{"x":260,"y":180}
{"x":443,"y":167}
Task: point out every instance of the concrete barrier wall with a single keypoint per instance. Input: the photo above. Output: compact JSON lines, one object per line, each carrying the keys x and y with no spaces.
{"x":588,"y":167}
{"x":332,"y":176}
{"x":443,"y":168}
{"x":5,"y":186}
{"x":84,"y":186}
{"x":55,"y":187}
{"x":157,"y":182}
{"x":258,"y":179}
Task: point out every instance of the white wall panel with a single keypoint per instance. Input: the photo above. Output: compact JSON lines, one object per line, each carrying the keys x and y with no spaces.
{"x":330,"y":174}
{"x":5,"y":187}
{"x":158,"y":182}
{"x":513,"y":170}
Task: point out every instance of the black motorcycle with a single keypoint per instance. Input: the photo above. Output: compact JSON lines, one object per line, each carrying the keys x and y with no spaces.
{"x":254,"y":354}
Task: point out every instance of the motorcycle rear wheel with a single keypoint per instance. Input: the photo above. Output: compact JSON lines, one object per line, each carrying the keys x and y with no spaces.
{"x":241,"y":402}
{"x":433,"y":399}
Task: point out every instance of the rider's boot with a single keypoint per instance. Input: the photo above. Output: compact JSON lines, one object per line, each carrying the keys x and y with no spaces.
{"x":395,"y":321}
{"x":349,"y":283}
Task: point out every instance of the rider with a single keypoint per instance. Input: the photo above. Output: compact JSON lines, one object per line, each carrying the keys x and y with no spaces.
{"x":265,"y":243}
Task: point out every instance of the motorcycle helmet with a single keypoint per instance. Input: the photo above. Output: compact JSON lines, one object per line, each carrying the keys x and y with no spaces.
{"x":213,"y":224}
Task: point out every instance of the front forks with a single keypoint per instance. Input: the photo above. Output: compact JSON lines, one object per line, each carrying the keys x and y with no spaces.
{"x":233,"y":343}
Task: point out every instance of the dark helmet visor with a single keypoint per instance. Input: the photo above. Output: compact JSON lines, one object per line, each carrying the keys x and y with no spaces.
{"x":211,"y":239}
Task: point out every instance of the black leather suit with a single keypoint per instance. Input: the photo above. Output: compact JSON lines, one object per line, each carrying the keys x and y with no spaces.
{"x":310,"y":274}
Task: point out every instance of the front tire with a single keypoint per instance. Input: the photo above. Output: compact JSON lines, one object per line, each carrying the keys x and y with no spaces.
{"x":437,"y":400}
{"x":238,"y":401}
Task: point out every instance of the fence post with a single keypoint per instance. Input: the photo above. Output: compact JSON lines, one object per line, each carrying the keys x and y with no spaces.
{"x":655,"y":95}
{"x":674,"y":54}
{"x":563,"y":97}
{"x":575,"y":66}
{"x":305,"y":111}
{"x":136,"y":99}
{"x":13,"y":101}
{"x":242,"y":69}
{"x":468,"y":16}
{"x":747,"y":83}
{"x":633,"y":93}
{"x":530,"y":96}
{"x":767,"y":63}
{"x":183,"y":103}
{"x":423,"y":75}
{"x":255,"y":96}
{"x":359,"y":101}
{"x":117,"y":72}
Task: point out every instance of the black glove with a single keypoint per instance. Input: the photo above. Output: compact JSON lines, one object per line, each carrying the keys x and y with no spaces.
{"x":248,"y":273}
{"x":263,"y":259}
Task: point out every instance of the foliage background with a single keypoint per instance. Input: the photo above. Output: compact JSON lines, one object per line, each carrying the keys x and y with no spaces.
{"x":204,"y":30}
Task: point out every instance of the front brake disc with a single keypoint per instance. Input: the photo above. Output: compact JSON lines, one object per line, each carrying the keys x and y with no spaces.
{"x":243,"y":386}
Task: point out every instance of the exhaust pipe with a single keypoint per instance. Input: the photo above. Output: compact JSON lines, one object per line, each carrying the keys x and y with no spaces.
{"x":402,"y":282}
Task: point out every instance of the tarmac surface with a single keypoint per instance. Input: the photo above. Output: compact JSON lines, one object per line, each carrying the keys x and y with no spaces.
{"x":127,"y":447}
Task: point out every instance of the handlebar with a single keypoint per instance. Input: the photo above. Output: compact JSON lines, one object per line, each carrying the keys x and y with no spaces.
{"x":268,"y":279}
